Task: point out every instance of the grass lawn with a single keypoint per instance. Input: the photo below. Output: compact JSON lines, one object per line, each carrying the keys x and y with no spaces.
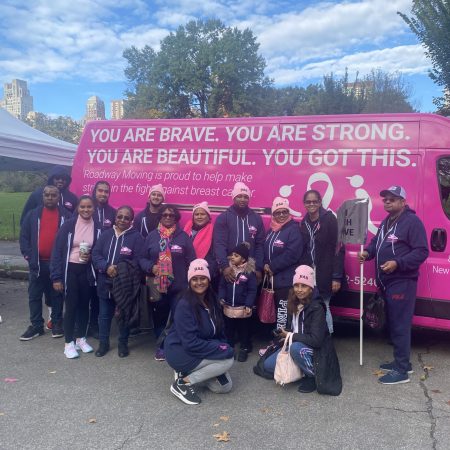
{"x":11,"y":205}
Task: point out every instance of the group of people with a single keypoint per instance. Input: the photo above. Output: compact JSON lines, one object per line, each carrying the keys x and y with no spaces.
{"x":201,"y":280}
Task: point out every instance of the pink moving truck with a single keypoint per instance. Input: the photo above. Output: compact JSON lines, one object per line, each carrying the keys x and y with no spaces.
{"x":343,"y":157}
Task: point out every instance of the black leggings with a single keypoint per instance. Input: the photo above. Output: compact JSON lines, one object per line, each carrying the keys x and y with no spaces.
{"x":239,"y":327}
{"x":78,"y":294}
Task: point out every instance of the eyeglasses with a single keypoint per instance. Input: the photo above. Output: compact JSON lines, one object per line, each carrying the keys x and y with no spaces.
{"x":312,"y":202}
{"x":281,"y":212}
{"x":391,"y":199}
{"x":168,"y":215}
{"x":120,"y":217}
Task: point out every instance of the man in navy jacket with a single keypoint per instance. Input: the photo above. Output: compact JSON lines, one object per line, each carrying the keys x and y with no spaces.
{"x":37,"y":235}
{"x":58,"y":176}
{"x":399,"y":248}
{"x":236,"y":225}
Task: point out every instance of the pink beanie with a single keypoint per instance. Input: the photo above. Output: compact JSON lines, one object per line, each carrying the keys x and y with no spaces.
{"x":157,"y":188}
{"x":240,"y":188}
{"x":203,"y":205}
{"x":198,"y":267}
{"x":280,"y":203}
{"x":304,"y":275}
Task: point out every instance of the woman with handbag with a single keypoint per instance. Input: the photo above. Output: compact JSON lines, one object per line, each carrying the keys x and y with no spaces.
{"x":165,"y":259}
{"x":120,"y":243}
{"x":320,"y":233}
{"x":238,"y":297}
{"x":306,"y":320}
{"x":195,"y":346}
{"x":200,"y":230}
{"x":283,"y":248}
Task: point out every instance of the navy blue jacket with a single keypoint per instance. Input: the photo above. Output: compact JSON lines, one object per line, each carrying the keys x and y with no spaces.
{"x":61,"y":253}
{"x":241,"y":292}
{"x":182,"y":252}
{"x":68,"y":199}
{"x":146,"y":222}
{"x":405,"y":242}
{"x":283,"y":251}
{"x":110,"y":250}
{"x":104,"y":218}
{"x":29,"y":235}
{"x":189,"y":341}
{"x":321,"y":250}
{"x":230,"y":230}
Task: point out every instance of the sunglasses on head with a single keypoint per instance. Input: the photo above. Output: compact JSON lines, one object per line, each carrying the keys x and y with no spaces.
{"x":121,"y":217}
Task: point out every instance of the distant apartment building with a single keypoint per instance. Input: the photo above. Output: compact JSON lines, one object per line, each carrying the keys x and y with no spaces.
{"x":359,"y":88}
{"x":95,"y":109}
{"x":117,"y":109}
{"x":17,"y":99}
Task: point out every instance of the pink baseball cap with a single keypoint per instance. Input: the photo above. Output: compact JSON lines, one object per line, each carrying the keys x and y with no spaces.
{"x":198,"y":267}
{"x":203,"y":205}
{"x":157,"y":188}
{"x":280,"y":203}
{"x":240,"y":188}
{"x":305,"y":275}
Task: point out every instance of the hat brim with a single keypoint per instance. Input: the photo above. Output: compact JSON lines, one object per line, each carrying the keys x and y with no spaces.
{"x":387,"y":192}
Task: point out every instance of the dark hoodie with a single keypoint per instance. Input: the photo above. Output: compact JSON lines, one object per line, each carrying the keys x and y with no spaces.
{"x":146,"y":221}
{"x":405,"y":242}
{"x":232,"y":228}
{"x":68,"y":199}
{"x":321,"y":240}
{"x":104,"y":215}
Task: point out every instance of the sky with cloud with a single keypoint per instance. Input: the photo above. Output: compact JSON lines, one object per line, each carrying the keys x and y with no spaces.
{"x":68,"y":51}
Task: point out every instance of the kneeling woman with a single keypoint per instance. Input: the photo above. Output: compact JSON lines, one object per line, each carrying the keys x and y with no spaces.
{"x":306,"y":319}
{"x":196,"y":347}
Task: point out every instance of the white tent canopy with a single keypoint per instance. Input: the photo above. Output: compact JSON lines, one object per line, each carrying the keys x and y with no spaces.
{"x":30,"y":148}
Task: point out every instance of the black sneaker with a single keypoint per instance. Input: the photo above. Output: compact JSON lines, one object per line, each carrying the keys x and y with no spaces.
{"x":387,"y":367}
{"x":57,"y":330}
{"x":242,"y":355}
{"x":31,"y":333}
{"x":103,"y":349}
{"x":307,"y":385}
{"x":123,"y":350}
{"x":185,"y":392}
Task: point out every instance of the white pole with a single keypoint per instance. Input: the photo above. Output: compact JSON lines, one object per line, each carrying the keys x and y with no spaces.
{"x":361,"y":309}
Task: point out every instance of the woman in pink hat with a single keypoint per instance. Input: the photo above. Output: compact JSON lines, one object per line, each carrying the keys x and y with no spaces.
{"x":283,"y":249}
{"x":200,"y":230}
{"x":196,"y":347}
{"x":306,"y":320}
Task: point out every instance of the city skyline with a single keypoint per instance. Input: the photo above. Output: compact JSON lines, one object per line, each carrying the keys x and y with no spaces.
{"x":68,"y":55}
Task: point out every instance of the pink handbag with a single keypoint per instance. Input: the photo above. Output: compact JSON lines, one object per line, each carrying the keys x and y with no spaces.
{"x":236,"y":312}
{"x":286,"y":371}
{"x":266,"y":302}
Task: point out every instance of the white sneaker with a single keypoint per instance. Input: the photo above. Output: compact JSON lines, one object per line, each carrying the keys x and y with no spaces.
{"x":70,"y":350}
{"x":83,"y":345}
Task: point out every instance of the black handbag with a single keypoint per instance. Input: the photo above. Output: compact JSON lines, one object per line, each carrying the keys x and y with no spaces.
{"x":327,"y":369}
{"x":374,"y":315}
{"x":259,"y":368}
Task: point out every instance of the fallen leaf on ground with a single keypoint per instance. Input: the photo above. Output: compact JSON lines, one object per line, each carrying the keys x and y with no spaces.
{"x":2,"y":414}
{"x":11,"y":380}
{"x":52,"y":371}
{"x":436,"y":391}
{"x":216,"y":425}
{"x":92,"y":420}
{"x":222,"y":437}
{"x":265,"y":410}
{"x":224,"y":418}
{"x":423,"y":378}
{"x":378,"y":373}
{"x":428,"y":367}
{"x":448,"y":403}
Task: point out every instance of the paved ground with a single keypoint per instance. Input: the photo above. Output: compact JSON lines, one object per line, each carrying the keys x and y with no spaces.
{"x":48,"y":402}
{"x":10,"y":255}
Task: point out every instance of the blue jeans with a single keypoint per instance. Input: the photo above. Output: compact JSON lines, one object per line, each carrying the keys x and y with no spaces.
{"x":107,"y":307}
{"x":37,"y":287}
{"x":300,"y":353}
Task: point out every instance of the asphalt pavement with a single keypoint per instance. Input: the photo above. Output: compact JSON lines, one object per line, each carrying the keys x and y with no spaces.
{"x":49,"y":402}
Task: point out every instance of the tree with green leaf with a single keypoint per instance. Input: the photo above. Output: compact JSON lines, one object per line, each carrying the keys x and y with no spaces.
{"x":62,"y":127}
{"x":430,"y":21}
{"x":203,"y":69}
